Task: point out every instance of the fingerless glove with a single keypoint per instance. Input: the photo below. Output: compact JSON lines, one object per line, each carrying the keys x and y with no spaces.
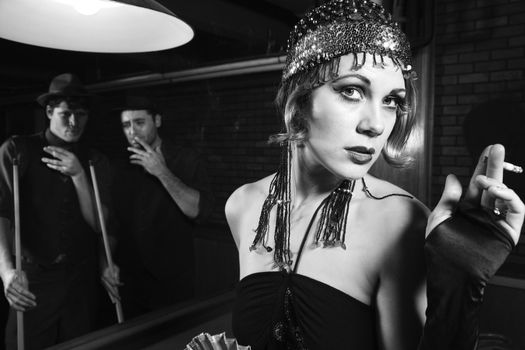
{"x":462,"y":254}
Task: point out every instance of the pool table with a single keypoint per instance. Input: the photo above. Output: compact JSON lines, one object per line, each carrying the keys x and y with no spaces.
{"x":171,"y":328}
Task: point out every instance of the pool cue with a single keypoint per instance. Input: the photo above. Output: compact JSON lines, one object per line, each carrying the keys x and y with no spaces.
{"x":18,"y":252}
{"x":118,"y":305}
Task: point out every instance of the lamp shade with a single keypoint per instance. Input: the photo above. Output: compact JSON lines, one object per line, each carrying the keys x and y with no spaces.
{"x":110,"y":26}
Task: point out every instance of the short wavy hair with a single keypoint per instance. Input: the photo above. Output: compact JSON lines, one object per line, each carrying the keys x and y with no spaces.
{"x":293,"y":101}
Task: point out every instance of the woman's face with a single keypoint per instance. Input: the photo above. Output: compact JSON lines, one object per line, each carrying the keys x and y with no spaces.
{"x":352,"y":117}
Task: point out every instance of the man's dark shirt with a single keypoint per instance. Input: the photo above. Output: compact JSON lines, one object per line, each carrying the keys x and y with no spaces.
{"x":52,"y":225}
{"x":155,"y":249}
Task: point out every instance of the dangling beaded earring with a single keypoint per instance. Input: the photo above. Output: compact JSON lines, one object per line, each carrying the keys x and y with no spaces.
{"x":331,"y":229}
{"x":279,"y":194}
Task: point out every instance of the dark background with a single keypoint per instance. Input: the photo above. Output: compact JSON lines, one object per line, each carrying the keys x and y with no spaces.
{"x":476,"y":71}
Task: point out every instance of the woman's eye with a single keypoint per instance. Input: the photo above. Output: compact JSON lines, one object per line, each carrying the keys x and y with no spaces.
{"x":352,"y":93}
{"x":393,"y":101}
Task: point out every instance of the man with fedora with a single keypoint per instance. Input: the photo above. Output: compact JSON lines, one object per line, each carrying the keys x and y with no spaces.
{"x":163,"y":190}
{"x":59,"y":239}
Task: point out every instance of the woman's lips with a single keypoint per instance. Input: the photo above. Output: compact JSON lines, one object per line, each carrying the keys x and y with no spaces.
{"x":360,"y":154}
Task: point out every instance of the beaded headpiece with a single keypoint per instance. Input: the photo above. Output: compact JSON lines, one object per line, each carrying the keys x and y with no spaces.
{"x":340,"y":27}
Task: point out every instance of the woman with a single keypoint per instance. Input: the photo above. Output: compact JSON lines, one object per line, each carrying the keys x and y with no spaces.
{"x":336,"y":260}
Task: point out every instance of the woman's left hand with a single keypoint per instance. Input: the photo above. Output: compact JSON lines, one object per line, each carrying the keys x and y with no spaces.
{"x":486,"y":189}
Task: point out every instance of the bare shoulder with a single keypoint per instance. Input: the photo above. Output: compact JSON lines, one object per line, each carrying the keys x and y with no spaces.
{"x":400,"y":296}
{"x":247,"y":195}
{"x":246,"y":202}
{"x":399,"y":209}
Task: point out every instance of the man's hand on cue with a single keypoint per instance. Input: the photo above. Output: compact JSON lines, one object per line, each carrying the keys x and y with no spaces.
{"x":16,"y":290}
{"x":111,"y":281}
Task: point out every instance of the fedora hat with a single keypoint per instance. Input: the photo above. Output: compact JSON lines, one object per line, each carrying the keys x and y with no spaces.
{"x":64,"y":85}
{"x":135,"y":103}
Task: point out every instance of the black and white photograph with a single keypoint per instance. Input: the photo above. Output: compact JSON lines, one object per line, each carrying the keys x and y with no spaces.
{"x":262,"y":174}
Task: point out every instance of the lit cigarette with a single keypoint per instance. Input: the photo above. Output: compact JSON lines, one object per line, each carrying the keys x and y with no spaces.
{"x":508,"y":166}
{"x":511,"y":167}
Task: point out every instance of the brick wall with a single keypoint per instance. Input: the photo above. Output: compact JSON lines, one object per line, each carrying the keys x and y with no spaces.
{"x":227,"y":119}
{"x":480,"y":83}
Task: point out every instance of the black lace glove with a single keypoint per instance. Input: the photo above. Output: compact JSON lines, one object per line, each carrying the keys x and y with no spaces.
{"x":462,"y":254}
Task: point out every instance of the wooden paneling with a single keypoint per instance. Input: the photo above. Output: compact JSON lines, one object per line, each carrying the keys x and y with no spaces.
{"x":416,"y":178}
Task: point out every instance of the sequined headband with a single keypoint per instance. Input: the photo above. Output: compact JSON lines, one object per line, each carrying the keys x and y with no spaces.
{"x":340,"y":27}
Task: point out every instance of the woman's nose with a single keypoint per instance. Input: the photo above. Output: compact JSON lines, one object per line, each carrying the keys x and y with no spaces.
{"x":371,"y":122}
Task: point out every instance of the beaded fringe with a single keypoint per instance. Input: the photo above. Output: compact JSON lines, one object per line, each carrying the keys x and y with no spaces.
{"x":331,"y":230}
{"x":332,"y":223}
{"x":279,"y":194}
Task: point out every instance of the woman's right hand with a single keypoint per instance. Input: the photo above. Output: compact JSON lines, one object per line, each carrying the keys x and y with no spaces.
{"x":467,"y":242}
{"x":486,"y":190}
{"x":16,"y":290}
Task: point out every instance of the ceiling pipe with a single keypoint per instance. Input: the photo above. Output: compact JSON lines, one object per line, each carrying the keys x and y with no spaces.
{"x":217,"y":71}
{"x":268,"y":64}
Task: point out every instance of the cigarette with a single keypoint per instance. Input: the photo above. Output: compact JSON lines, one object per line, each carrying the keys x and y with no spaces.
{"x":511,"y":167}
{"x":508,"y":166}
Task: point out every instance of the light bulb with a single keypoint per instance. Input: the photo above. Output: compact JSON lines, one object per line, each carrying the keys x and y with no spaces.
{"x":89,"y":7}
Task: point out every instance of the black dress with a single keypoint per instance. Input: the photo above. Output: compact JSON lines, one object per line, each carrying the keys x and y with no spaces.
{"x":280,"y":310}
{"x":285,"y":310}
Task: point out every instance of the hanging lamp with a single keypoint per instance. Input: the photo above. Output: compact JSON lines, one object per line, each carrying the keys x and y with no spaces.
{"x":110,"y":26}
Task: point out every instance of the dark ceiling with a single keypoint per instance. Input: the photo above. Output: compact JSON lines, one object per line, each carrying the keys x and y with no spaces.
{"x":225,"y":30}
